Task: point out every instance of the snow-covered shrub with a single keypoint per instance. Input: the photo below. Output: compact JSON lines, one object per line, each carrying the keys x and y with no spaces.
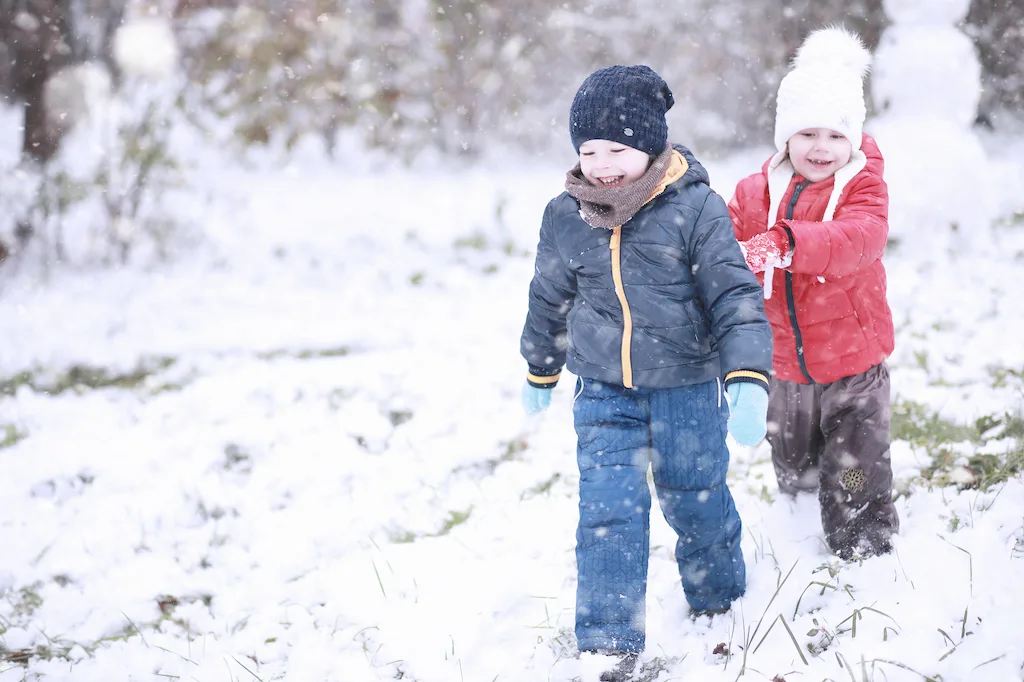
{"x":463,"y":76}
{"x":278,"y":73}
{"x":138,"y":172}
{"x":101,"y":196}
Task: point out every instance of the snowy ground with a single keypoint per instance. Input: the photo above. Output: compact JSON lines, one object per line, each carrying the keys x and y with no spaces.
{"x":301,"y":456}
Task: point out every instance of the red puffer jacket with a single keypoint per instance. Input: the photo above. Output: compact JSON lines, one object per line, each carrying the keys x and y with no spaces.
{"x":828,"y":311}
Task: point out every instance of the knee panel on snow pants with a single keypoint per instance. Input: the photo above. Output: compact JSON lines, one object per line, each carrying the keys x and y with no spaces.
{"x":681,"y":432}
{"x":835,"y":438}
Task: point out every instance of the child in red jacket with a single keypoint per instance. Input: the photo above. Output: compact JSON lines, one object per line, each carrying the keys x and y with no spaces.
{"x":813,"y":225}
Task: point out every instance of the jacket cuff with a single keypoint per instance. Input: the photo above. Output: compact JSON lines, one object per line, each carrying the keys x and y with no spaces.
{"x":747,"y":376}
{"x":782,"y":227}
{"x":543,"y":377}
{"x":815,"y":251}
{"x":784,"y":239}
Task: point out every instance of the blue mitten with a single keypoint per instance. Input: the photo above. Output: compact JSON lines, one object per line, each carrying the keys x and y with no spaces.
{"x":535,"y":400}
{"x":748,"y":413}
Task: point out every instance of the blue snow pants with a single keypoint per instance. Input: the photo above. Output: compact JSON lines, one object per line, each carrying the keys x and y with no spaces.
{"x":681,"y":433}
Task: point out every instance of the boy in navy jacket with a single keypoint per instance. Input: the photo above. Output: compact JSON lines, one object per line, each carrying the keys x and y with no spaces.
{"x":641,"y":290}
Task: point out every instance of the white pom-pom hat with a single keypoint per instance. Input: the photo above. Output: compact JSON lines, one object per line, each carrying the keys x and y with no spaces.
{"x":825,"y":88}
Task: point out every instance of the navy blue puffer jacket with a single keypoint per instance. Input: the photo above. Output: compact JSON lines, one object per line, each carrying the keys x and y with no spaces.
{"x":665,"y":300}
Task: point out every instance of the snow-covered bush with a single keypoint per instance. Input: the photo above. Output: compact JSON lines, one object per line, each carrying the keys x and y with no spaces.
{"x":463,"y":76}
{"x":101,"y":195}
{"x":276,"y":73}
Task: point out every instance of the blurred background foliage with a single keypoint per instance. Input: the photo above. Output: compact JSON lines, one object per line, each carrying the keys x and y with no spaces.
{"x":460,"y":76}
{"x":437,"y":79}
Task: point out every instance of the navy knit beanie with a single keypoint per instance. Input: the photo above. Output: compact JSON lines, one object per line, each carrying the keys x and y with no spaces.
{"x":624,"y":104}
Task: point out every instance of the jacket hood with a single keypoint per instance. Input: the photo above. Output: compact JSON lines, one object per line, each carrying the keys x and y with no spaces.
{"x":780,"y":173}
{"x":683,"y":170}
{"x":695,"y":173}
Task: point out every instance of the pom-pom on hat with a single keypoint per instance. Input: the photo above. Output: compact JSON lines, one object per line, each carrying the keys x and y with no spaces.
{"x":825,"y":88}
{"x":625,"y":104}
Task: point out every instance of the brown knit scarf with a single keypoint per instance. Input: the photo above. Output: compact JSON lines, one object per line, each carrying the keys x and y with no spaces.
{"x":610,"y":207}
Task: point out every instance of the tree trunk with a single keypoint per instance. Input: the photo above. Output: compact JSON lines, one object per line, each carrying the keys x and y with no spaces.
{"x":37,"y":34}
{"x":997,"y":27}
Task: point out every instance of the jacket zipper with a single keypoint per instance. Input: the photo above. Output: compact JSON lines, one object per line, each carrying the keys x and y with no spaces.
{"x":790,"y":298}
{"x":627,"y":317}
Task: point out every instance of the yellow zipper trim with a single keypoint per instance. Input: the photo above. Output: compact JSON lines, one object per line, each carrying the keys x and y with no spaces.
{"x":627,"y":317}
{"x":677,"y":167}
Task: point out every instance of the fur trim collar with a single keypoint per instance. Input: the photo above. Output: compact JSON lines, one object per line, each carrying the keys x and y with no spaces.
{"x":780,"y":173}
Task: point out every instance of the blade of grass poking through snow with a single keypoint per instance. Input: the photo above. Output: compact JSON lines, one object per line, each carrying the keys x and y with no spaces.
{"x":386,"y":562}
{"x":175,"y":653}
{"x":900,"y":562}
{"x":743,"y":665}
{"x":843,"y":664}
{"x":136,"y":627}
{"x":998,"y":493}
{"x":872,"y":609}
{"x":247,"y":670}
{"x":769,"y":604}
{"x":963,"y":624}
{"x":926,"y":678}
{"x":780,"y":619}
{"x":858,"y":614}
{"x":793,"y":638}
{"x":757,"y":546}
{"x":362,"y":630}
{"x":970,"y":562}
{"x":732,"y":638}
{"x":991,"y":660}
{"x":950,"y":640}
{"x":824,"y":586}
{"x":750,"y":637}
{"x":379,"y":581}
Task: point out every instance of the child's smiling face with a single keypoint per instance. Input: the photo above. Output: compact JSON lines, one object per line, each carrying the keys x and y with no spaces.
{"x":612,"y":164}
{"x":817,"y":153}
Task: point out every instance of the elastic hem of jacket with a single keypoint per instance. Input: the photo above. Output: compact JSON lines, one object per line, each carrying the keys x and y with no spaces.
{"x":747,"y":376}
{"x":789,"y":233}
{"x":539,"y":377}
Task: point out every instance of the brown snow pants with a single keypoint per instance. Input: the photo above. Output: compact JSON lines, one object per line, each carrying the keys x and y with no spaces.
{"x":834,"y":438}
